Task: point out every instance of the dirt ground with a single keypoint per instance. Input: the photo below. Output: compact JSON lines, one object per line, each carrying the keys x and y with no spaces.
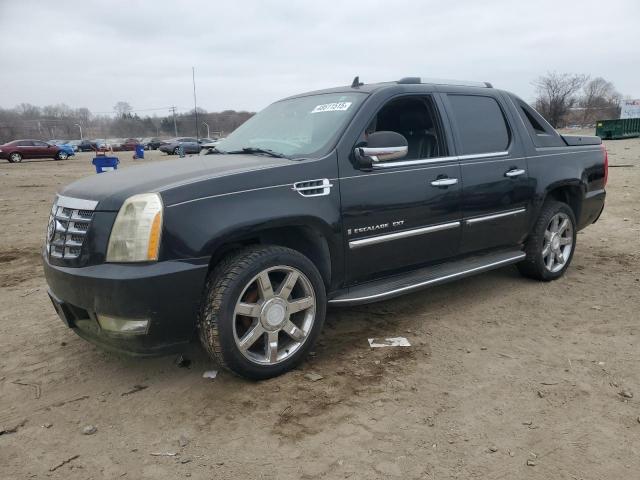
{"x":506,"y":378}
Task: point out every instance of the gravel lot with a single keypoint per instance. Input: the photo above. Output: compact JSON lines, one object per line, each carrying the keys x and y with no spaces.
{"x":506,"y":378}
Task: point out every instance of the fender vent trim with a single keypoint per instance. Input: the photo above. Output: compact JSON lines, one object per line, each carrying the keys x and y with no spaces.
{"x":313,"y":188}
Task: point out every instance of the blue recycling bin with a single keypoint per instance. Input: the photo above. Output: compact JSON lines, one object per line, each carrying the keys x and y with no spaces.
{"x":105,"y":164}
{"x":139,"y":152}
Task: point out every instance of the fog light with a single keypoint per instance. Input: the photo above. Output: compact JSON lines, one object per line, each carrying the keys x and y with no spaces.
{"x":123,"y":325}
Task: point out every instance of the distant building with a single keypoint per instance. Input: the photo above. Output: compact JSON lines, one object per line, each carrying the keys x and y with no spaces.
{"x":630,"y":109}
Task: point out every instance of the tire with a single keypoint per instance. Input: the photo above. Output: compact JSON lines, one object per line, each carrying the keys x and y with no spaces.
{"x":549,"y":252}
{"x":176,"y":151}
{"x":238,"y":281}
{"x":62,"y":156}
{"x":15,"y":157}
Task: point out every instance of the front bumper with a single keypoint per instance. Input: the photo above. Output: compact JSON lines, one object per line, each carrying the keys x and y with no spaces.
{"x":167,"y":293}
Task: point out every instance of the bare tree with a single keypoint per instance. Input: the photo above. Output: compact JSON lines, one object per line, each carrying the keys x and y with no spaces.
{"x":557,"y":94}
{"x":600,"y":100}
{"x":122,"y":108}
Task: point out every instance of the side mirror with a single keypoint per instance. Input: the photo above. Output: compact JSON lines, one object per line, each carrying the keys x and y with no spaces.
{"x":381,"y":147}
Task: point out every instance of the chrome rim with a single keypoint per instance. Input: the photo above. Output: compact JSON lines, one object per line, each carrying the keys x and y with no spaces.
{"x":62,"y":156}
{"x":16,"y":157}
{"x":558,"y":242}
{"x":274,"y":315}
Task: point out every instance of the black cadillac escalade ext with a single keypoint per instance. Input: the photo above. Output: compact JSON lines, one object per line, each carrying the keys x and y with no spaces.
{"x":342,"y":196}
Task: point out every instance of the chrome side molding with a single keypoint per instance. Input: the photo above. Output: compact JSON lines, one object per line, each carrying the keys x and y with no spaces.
{"x":486,"y":218}
{"x":364,"y":242}
{"x":426,"y":161}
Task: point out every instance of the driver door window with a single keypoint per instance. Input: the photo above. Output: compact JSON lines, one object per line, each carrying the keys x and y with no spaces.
{"x":416,"y":119}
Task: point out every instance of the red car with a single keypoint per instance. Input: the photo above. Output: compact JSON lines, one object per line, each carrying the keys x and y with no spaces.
{"x":18,"y":149}
{"x":128,"y":144}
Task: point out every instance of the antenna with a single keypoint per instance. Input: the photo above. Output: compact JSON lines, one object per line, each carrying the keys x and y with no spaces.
{"x":356,"y":82}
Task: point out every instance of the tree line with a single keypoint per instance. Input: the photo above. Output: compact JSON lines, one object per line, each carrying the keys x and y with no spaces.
{"x":63,"y":122}
{"x":562,"y":98}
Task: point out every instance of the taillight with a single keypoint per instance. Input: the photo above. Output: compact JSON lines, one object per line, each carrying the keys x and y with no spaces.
{"x":606,"y":164}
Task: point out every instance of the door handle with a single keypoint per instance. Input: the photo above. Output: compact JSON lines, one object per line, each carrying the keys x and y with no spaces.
{"x":444,"y":182}
{"x":516,"y":172}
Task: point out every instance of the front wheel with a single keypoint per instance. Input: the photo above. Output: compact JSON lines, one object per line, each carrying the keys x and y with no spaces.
{"x":62,"y":156}
{"x":262,"y":311}
{"x":15,"y":157}
{"x":551,"y":244}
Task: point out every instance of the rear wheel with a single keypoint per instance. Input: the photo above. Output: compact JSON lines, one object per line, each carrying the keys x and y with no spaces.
{"x":551,"y":244}
{"x":15,"y":157}
{"x":263,"y":310}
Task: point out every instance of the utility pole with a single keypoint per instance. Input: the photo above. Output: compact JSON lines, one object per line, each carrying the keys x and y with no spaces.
{"x":195,"y":104}
{"x":175,"y":126}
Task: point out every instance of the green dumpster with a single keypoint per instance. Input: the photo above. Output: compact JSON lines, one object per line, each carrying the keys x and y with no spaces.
{"x":615,"y":129}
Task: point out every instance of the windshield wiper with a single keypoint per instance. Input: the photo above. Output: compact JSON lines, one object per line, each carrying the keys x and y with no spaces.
{"x":254,"y":150}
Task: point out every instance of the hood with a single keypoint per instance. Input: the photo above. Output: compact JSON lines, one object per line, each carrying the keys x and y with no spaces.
{"x":111,"y":189}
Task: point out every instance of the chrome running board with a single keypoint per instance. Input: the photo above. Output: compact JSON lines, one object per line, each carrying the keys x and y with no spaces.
{"x":425,"y":277}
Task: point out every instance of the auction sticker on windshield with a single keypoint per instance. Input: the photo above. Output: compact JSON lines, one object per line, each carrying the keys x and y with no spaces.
{"x":332,"y":107}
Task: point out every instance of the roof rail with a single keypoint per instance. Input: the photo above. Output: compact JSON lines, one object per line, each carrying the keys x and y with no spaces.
{"x":440,"y":81}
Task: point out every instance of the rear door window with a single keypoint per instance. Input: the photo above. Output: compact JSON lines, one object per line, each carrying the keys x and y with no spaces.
{"x":481,"y":125}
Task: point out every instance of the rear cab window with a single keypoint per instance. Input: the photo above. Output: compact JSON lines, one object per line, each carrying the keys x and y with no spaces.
{"x":541,"y":133}
{"x":480,"y":123}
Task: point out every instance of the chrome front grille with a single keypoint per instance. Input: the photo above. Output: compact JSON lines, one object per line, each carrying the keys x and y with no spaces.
{"x":68,"y":225}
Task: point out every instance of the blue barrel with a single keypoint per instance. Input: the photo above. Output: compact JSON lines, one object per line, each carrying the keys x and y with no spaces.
{"x":139,"y":151}
{"x":105,"y":164}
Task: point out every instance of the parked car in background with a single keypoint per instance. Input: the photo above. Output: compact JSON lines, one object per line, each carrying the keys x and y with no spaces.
{"x":151,"y":143}
{"x":209,"y":148}
{"x":100,"y":144}
{"x":126,"y":145}
{"x":86,"y":146}
{"x":65,"y":147}
{"x":18,"y":150}
{"x":114,"y":143}
{"x":74,"y":144}
{"x":172,"y":147}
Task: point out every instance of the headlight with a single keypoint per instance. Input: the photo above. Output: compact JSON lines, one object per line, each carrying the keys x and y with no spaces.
{"x":135,"y":236}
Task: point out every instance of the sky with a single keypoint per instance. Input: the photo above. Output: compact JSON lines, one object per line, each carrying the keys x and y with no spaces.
{"x":250,"y":53}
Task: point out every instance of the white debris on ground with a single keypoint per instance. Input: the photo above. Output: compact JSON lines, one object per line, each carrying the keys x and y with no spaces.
{"x":389,"y":342}
{"x":210,"y":374}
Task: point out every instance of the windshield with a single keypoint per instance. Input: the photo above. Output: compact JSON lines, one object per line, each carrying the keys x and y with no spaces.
{"x":298,"y":127}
